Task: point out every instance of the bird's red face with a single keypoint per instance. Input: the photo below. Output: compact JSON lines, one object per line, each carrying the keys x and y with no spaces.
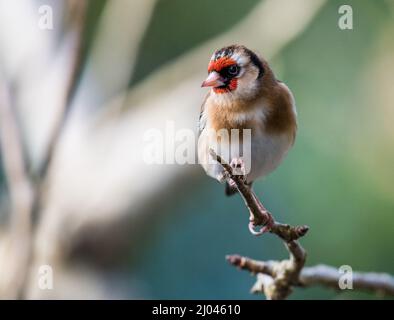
{"x":222,"y":74}
{"x":236,"y":70}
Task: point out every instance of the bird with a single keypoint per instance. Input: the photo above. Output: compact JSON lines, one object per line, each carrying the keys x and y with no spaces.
{"x":244,"y":96}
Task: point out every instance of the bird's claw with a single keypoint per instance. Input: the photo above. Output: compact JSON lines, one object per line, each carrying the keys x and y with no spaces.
{"x":238,"y":167}
{"x":223,"y":176}
{"x":265,"y":228}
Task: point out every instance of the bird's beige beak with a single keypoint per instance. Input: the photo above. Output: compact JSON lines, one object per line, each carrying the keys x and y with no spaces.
{"x":214,"y":79}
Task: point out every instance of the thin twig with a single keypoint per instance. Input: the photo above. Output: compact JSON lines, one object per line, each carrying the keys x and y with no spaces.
{"x":262,"y":217}
{"x":319,"y":275}
{"x":19,"y":185}
{"x":78,"y":11}
{"x":379,"y":283}
{"x":284,"y":274}
{"x":21,"y":194}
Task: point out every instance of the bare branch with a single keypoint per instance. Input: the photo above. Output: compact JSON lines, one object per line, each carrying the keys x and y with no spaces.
{"x":284,"y":274}
{"x":379,"y":283}
{"x":21,"y":196}
{"x":26,"y":196}
{"x":275,"y":279}
{"x":78,"y":15}
{"x":13,"y":157}
{"x":319,"y":275}
{"x":261,"y":216}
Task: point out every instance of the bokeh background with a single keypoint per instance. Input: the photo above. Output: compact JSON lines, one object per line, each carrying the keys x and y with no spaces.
{"x":112,"y":226}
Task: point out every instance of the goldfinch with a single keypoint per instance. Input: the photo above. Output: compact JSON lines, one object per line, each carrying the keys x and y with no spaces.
{"x":245,"y":94}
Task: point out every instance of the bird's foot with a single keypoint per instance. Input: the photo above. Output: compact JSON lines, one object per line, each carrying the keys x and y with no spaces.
{"x":224,"y":176}
{"x":238,"y":168}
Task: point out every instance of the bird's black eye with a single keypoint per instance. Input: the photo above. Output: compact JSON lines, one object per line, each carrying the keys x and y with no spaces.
{"x":233,"y":70}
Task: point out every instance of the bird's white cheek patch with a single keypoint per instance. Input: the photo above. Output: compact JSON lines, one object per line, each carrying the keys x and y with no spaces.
{"x":246,"y":89}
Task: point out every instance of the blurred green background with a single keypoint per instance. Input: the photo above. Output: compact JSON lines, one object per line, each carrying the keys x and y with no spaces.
{"x":338,"y":178}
